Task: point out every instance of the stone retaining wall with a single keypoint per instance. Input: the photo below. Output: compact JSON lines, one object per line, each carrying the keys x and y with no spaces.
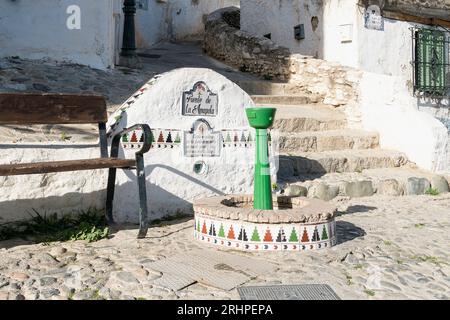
{"x":334,"y":84}
{"x":247,"y":52}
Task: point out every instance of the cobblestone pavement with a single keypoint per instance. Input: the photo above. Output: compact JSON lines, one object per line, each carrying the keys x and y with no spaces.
{"x":389,"y":248}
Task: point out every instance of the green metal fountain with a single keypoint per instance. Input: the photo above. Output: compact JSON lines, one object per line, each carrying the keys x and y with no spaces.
{"x":261,"y":119}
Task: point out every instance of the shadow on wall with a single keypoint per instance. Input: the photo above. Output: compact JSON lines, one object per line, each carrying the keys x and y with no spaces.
{"x":65,"y":204}
{"x":298,"y":166}
{"x":72,"y":202}
{"x":161,"y":202}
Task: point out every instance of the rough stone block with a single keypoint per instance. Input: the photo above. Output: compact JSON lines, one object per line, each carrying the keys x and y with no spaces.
{"x":296,"y":191}
{"x":324,"y":192}
{"x":440,"y":183}
{"x":416,"y":186}
{"x":359,"y":189}
{"x":390,"y":187}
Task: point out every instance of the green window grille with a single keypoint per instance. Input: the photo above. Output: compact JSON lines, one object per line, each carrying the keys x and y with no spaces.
{"x":431,"y":61}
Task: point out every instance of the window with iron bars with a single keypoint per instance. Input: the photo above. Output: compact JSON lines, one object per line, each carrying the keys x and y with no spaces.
{"x":431,"y":66}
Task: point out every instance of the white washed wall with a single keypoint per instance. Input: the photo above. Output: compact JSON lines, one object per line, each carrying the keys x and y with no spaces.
{"x":420,"y":128}
{"x":175,"y":19}
{"x":60,"y":193}
{"x":279,"y":17}
{"x":37,"y":29}
{"x":172,"y":184}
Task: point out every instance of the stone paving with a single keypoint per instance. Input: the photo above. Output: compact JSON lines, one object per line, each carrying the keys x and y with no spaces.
{"x":389,"y":248}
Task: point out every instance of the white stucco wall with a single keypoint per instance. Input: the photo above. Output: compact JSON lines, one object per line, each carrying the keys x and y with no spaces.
{"x":175,"y":19}
{"x":418,"y":127}
{"x":67,"y":192}
{"x":340,"y":32}
{"x":279,"y":17}
{"x":37,"y":29}
{"x":172,"y":184}
{"x":388,"y":108}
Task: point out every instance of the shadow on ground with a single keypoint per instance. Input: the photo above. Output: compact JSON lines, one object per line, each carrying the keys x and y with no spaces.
{"x":356,"y":209}
{"x":347,"y":231}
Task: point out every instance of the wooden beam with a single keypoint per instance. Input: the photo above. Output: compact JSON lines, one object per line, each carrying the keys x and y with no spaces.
{"x":441,"y":22}
{"x":416,"y":19}
{"x":64,"y":166}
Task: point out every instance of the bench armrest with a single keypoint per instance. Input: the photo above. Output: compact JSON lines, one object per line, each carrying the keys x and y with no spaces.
{"x":147,"y":144}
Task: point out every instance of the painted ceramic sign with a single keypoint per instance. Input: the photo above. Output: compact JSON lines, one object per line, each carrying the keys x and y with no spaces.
{"x":201,"y":141}
{"x":200,"y":101}
{"x":373,"y":19}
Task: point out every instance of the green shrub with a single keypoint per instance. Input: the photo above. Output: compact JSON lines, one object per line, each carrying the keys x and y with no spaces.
{"x":432,"y":191}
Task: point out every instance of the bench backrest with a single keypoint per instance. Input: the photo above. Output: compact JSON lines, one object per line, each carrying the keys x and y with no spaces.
{"x":51,"y":108}
{"x":30,"y":108}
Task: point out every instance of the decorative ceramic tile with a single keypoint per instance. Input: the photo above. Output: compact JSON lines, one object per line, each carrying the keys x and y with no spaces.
{"x":260,"y":236}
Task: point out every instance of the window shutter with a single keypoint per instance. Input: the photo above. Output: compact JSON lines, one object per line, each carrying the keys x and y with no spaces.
{"x":431,"y":61}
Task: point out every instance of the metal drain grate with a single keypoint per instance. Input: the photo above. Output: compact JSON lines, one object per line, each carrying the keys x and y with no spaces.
{"x":289,"y":292}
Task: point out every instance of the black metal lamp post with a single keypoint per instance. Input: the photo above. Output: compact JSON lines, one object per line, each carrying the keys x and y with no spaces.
{"x":128,"y":55}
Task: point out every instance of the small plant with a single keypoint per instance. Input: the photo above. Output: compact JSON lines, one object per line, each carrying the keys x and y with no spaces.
{"x":432,"y":191}
{"x":370,"y":293}
{"x":419,"y":225}
{"x":387,"y":243}
{"x":274,"y":186}
{"x":359,"y":266}
{"x":90,"y":233}
{"x":65,"y":137}
{"x":88,"y":225}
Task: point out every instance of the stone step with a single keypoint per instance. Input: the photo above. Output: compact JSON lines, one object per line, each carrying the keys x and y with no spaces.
{"x":389,"y":182}
{"x":318,"y":141}
{"x":307,"y":117}
{"x":265,"y":87}
{"x":297,"y":164}
{"x":285,"y":99}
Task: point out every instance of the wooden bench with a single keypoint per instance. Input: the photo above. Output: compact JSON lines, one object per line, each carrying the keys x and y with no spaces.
{"x":29,"y":109}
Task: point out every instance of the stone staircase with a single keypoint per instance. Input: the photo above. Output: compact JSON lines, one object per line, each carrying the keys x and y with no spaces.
{"x":321,"y":157}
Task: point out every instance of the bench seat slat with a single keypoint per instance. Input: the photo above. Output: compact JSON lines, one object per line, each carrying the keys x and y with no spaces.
{"x":51,"y":108}
{"x":64,"y":166}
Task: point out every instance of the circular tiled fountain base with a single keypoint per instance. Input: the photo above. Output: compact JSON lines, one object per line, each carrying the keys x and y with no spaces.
{"x":298,"y":224}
